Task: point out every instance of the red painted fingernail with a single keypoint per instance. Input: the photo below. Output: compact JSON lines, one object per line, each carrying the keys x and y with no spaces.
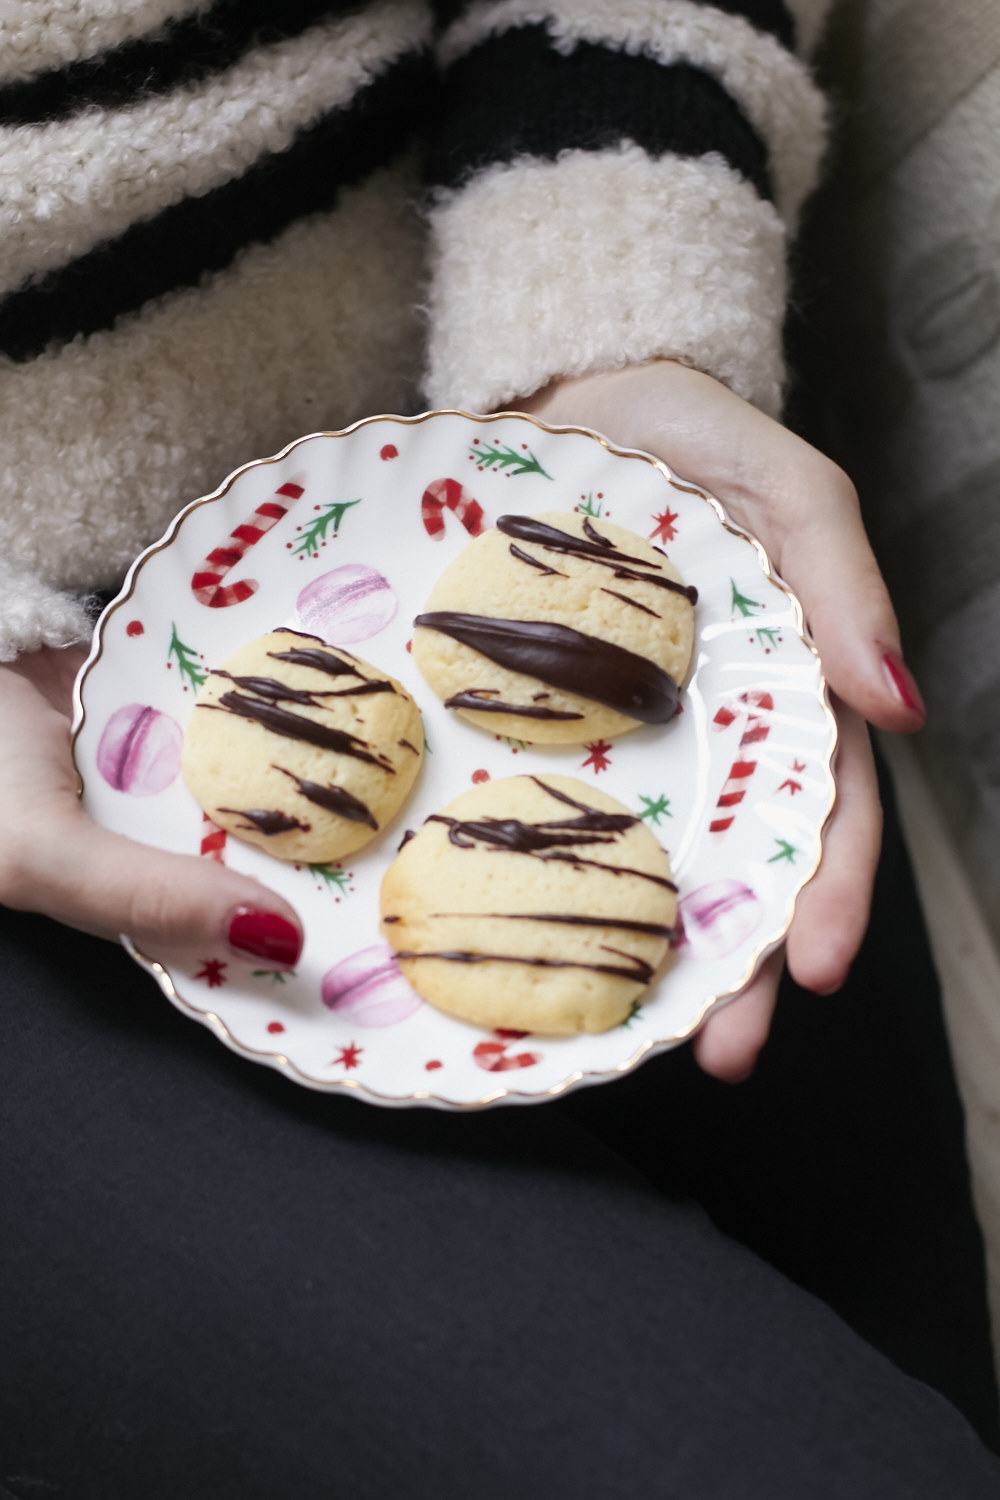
{"x":902,"y":683}
{"x":264,"y":934}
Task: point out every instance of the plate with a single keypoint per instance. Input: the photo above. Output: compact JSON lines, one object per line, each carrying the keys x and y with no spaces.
{"x":342,"y":535}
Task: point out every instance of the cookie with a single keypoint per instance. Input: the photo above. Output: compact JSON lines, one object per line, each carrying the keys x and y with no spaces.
{"x":300,"y":748}
{"x":534,"y":903}
{"x":558,"y":630}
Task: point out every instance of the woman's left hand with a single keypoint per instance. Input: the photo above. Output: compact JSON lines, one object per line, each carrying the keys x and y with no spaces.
{"x":805,"y":511}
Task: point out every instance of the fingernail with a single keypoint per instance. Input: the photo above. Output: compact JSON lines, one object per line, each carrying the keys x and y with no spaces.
{"x":903,"y":686}
{"x":264,"y":934}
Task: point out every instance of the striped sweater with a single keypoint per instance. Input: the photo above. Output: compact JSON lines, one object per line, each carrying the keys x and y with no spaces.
{"x":228,"y":222}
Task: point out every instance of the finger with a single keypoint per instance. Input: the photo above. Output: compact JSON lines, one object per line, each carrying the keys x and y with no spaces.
{"x":831,"y":914}
{"x":729,"y":1043}
{"x":108,"y":885}
{"x":820,"y":547}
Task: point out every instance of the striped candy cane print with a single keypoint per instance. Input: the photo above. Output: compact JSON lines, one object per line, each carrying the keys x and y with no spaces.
{"x":213,"y":840}
{"x":495,"y":1058}
{"x":448,"y":494}
{"x":207,"y":585}
{"x":755,"y":706}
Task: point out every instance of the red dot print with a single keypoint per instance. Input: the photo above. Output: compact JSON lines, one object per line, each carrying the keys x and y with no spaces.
{"x":389,"y":451}
{"x":480,"y":776}
{"x":135,"y":627}
{"x":274,"y":1027}
{"x":433,"y":1065}
{"x":409,"y":645}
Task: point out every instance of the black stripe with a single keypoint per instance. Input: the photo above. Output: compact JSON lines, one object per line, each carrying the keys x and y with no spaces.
{"x":201,"y":235}
{"x":772,"y":16}
{"x":513,"y":95}
{"x":181,"y":52}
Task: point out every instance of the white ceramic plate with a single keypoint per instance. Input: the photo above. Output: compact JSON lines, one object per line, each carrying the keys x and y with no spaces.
{"x":342,"y":535}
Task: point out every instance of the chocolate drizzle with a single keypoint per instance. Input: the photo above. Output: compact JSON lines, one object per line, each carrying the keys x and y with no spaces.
{"x":635,"y":968}
{"x":568,"y":659}
{"x":634,"y":603}
{"x":323,"y":661}
{"x":599,"y":550}
{"x":333,"y":799}
{"x":298,"y":727}
{"x":652,"y":929}
{"x":262,"y":820}
{"x":473,"y":698}
{"x":534,"y":562}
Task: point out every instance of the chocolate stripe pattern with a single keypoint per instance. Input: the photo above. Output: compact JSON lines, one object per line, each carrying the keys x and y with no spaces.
{"x":184,"y":51}
{"x":203,"y":234}
{"x":677,"y":109}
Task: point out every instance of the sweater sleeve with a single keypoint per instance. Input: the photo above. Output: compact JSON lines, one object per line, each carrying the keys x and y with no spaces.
{"x":614,"y":181}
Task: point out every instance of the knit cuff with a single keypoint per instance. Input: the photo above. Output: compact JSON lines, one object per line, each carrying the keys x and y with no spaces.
{"x":598,"y":260}
{"x":33,"y":615}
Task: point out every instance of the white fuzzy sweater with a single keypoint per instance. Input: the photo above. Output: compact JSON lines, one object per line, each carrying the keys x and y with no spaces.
{"x":215,"y":236}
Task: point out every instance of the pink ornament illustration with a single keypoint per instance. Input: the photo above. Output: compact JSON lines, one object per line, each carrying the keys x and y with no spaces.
{"x":448,"y":494}
{"x":756,"y":707}
{"x":140,"y":750}
{"x":369,"y":989}
{"x":346,"y":605}
{"x":207,"y":585}
{"x":718,"y":918}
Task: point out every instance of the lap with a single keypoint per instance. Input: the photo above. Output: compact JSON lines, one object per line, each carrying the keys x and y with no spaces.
{"x":220,"y":1285}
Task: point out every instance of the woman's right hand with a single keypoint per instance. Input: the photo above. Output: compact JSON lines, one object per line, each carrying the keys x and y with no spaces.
{"x":55,"y":860}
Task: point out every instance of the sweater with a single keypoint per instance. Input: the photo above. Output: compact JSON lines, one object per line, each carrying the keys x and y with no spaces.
{"x":225,"y":223}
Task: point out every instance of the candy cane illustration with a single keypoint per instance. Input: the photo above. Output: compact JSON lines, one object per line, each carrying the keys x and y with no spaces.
{"x":756,"y":705}
{"x":213,"y":840}
{"x":207,"y":585}
{"x":494,"y":1057}
{"x":448,"y":493}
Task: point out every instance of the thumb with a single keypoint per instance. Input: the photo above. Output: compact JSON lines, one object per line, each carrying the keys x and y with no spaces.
{"x":108,"y":885}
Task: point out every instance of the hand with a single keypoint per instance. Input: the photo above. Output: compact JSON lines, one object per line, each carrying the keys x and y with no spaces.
{"x":53,"y":859}
{"x":805,"y":512}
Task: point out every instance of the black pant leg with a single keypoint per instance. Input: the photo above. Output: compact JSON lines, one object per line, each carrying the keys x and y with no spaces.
{"x":219,"y":1286}
{"x":842,"y":1160}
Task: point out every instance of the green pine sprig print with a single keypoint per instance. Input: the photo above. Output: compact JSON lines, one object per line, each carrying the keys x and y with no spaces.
{"x":743,"y":605}
{"x":272,"y":974}
{"x":503,"y":459}
{"x":186,"y":658}
{"x":319,"y":531}
{"x":634,"y":1014}
{"x":655,"y":808}
{"x":769,"y":638}
{"x":785,"y":851}
{"x":589,"y":506}
{"x":333,"y":877}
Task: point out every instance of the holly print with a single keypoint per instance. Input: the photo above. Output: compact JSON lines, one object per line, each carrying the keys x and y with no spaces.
{"x":348,"y":1057}
{"x":186,"y":658}
{"x":319,"y":531}
{"x":655,"y":808}
{"x":665,"y":530}
{"x":598,"y":757}
{"x":502,"y":458}
{"x":213,"y":972}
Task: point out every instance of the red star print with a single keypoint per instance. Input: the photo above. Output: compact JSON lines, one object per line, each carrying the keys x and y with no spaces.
{"x":798,"y":765}
{"x":211,"y":972}
{"x":665,"y":529}
{"x":348,"y":1057}
{"x":793,"y":786}
{"x":598,"y":757}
